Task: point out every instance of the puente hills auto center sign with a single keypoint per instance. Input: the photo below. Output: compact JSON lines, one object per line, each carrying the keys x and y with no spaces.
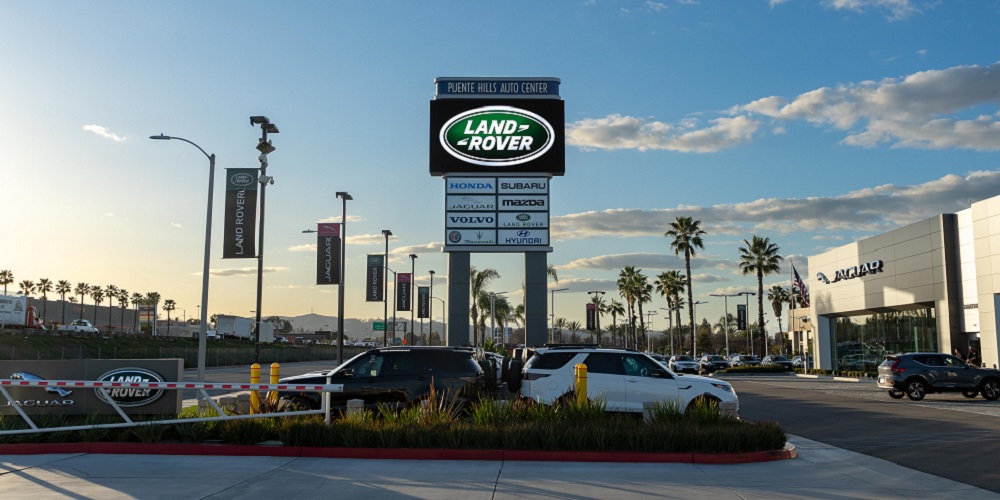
{"x":497,"y":142}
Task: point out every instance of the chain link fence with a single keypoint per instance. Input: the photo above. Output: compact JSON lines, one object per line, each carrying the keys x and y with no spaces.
{"x":215,"y":356}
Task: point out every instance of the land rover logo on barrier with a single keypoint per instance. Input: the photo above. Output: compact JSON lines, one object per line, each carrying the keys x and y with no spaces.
{"x":241,"y":180}
{"x":127,"y":397}
{"x":497,"y":136}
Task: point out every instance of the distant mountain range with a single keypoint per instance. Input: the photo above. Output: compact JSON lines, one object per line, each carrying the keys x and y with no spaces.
{"x":354,"y":329}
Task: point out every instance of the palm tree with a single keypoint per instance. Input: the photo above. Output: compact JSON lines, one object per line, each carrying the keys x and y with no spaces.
{"x":760,"y":257}
{"x":616,"y":309}
{"x":686,"y":233}
{"x":96,"y":293}
{"x":626,"y":288}
{"x":27,"y":287}
{"x":669,"y":285}
{"x":643,"y":295}
{"x":44,"y":287}
{"x":478,"y":282}
{"x":136,"y":301}
{"x":153,"y":299}
{"x":169,"y":305}
{"x":6,"y":278}
{"x":122,"y":304}
{"x":599,"y":309}
{"x":82,"y":289}
{"x":62,"y":288}
{"x":112,"y":296}
{"x":778,"y":295}
{"x":559,"y":324}
{"x":574,"y":327}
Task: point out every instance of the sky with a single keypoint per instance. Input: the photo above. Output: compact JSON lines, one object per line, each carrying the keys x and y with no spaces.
{"x":814,"y":123}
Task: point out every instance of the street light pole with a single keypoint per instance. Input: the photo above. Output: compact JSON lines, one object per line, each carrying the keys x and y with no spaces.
{"x":345,"y":197}
{"x":493,"y":314}
{"x":203,"y":327}
{"x":265,"y":147}
{"x":649,"y":330}
{"x":413,"y":278}
{"x":694,"y":341}
{"x":670,"y":317}
{"x":597,"y":315}
{"x":385,"y":293}
{"x":552,"y":332}
{"x":444,"y":325}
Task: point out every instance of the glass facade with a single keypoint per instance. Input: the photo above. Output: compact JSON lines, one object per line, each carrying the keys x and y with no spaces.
{"x":861,"y":342}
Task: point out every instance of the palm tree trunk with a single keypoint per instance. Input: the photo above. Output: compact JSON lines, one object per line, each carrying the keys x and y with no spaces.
{"x":687,"y":266}
{"x":64,"y":309}
{"x":760,"y":313}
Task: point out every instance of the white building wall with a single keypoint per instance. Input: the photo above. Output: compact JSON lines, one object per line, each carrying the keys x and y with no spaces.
{"x":986,"y":233}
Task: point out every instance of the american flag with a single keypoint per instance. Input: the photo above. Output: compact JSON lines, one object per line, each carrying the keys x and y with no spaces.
{"x":803,"y":290}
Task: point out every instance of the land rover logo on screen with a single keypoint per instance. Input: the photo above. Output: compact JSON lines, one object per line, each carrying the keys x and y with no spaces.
{"x":497,"y":136}
{"x":241,"y":179}
{"x":128,"y":397}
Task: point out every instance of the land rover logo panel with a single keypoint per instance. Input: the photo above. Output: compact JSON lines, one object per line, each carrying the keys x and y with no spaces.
{"x":128,"y":397}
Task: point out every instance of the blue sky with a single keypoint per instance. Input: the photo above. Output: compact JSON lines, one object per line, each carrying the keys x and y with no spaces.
{"x":812,"y":122}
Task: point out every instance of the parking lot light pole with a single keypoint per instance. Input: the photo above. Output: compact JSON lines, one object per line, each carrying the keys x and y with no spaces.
{"x":203,"y":326}
{"x":265,"y":148}
{"x":649,"y":330}
{"x":444,"y":324}
{"x":430,"y":310}
{"x":725,"y":300}
{"x":385,"y":292}
{"x":413,"y":277}
{"x":670,"y":317}
{"x":493,"y":314}
{"x":694,"y":341}
{"x":345,"y":197}
{"x":552,"y":331}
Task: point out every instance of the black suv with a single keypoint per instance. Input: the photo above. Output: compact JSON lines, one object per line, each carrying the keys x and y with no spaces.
{"x":712,"y":362}
{"x":396,"y":376}
{"x":920,"y":373}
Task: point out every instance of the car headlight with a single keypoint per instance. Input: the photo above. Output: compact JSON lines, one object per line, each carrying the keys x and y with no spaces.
{"x":725,"y":387}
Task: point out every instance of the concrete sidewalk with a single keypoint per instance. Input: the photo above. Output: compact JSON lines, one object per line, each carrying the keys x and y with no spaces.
{"x":820,"y":471}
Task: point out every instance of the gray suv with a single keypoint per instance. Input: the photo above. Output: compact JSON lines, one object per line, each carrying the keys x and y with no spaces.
{"x":918,"y":374}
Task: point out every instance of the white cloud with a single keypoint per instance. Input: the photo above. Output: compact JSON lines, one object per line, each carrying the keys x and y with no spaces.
{"x":936,"y":109}
{"x":310,"y":247}
{"x":109,"y":214}
{"x":873,"y":209}
{"x":104,"y":132}
{"x":432,"y":247}
{"x":898,"y":9}
{"x":368,"y":239}
{"x":177,"y":225}
{"x":350,"y":219}
{"x":645,"y":261}
{"x":243,"y":271}
{"x":655,"y":6}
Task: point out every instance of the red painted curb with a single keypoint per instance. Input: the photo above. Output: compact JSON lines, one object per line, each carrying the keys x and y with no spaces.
{"x":788,"y":452}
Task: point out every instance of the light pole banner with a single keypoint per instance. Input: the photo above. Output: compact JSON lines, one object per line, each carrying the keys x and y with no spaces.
{"x":423,"y":301}
{"x":591,"y":317}
{"x":328,"y":254}
{"x":374,"y":283}
{"x":403,"y":281}
{"x":241,"y":214}
{"x":741,"y":317}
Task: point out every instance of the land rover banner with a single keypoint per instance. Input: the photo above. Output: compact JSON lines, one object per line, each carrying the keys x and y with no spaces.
{"x":375,"y":278}
{"x":328,"y":254}
{"x":241,"y":214}
{"x":423,"y":301}
{"x":591,"y":317}
{"x":403,"y":281}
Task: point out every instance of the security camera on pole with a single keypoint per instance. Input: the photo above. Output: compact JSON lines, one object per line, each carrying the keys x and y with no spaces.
{"x":265,"y":148}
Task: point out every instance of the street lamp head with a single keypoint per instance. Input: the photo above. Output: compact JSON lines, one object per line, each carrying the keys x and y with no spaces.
{"x":265,"y":146}
{"x":387,"y":233}
{"x":345,"y":195}
{"x":748,"y":293}
{"x":432,"y":272}
{"x":596,"y":291}
{"x":161,"y":137}
{"x":560,"y":289}
{"x":262,"y":120}
{"x":309,"y":231}
{"x":413,"y":256}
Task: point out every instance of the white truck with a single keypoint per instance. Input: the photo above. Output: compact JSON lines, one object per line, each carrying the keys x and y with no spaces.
{"x":236,"y":327}
{"x":79,"y":326}
{"x":15,"y":312}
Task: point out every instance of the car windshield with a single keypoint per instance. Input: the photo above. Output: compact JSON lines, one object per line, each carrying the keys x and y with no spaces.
{"x":778,"y":358}
{"x":682,"y":358}
{"x":715,"y":358}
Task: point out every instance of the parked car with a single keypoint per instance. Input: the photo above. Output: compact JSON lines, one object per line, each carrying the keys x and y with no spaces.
{"x":79,"y":326}
{"x":710,"y":363}
{"x":683,"y":364}
{"x":778,"y":361}
{"x":623,"y":379}
{"x":744,"y":360}
{"x":395,"y":376}
{"x":918,"y":374}
{"x":801,"y":361}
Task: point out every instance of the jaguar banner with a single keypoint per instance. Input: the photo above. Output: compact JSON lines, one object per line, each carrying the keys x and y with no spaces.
{"x":375,"y":278}
{"x":423,"y":301}
{"x":241,"y":214}
{"x":403,"y":281}
{"x":328,"y":254}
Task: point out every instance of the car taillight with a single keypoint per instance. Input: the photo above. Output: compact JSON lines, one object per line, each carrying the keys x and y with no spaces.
{"x":533,"y":376}
{"x":895,"y":367}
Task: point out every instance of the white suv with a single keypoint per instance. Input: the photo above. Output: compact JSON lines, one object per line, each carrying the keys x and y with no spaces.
{"x":623,"y":379}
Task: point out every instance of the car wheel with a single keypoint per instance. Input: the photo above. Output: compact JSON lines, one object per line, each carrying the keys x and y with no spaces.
{"x":916,"y":390}
{"x":894,"y":394}
{"x":514,"y":376}
{"x":505,"y":370}
{"x":970,"y":393}
{"x":990,"y":389}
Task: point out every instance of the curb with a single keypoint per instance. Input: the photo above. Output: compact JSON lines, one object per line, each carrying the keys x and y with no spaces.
{"x":786,"y":453}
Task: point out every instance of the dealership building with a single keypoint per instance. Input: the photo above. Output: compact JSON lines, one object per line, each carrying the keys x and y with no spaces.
{"x":931,"y":286}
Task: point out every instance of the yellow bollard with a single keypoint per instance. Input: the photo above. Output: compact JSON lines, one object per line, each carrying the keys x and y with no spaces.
{"x":272,"y":396}
{"x":580,"y":374}
{"x":254,"y":396}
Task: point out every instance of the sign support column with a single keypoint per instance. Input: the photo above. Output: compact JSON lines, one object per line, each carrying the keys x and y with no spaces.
{"x":459,"y":288}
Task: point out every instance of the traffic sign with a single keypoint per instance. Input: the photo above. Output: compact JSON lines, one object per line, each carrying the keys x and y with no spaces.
{"x":378,"y":326}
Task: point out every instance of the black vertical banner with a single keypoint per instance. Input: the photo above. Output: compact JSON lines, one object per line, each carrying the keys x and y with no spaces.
{"x":423,"y":301}
{"x":241,"y":214}
{"x":374,"y":283}
{"x":591,"y":317}
{"x":328,"y":254}
{"x":403,"y":281}
{"x":741,"y":317}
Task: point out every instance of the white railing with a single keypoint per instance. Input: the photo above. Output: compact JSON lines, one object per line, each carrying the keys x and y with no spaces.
{"x":201,"y":387}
